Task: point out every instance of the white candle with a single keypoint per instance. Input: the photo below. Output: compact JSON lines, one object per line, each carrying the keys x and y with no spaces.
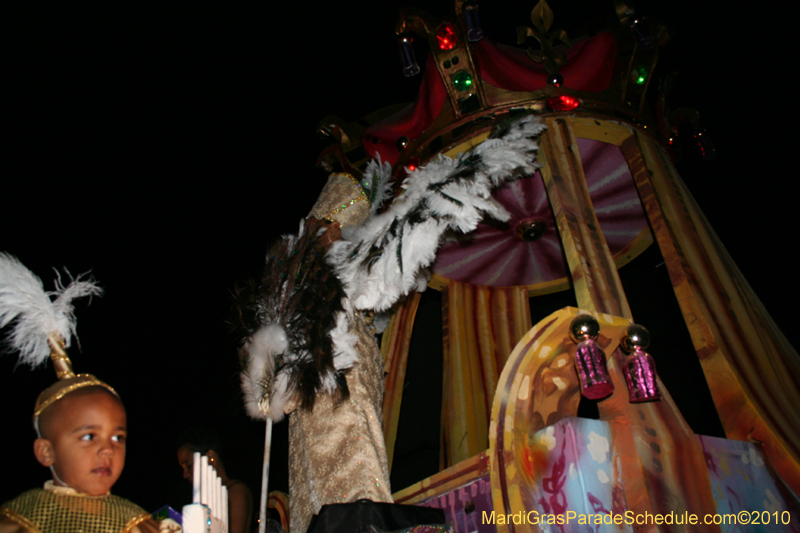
{"x":212,"y":491}
{"x":225,"y":506}
{"x":217,"y":497}
{"x":204,"y":479}
{"x":196,"y":477}
{"x":211,"y":483}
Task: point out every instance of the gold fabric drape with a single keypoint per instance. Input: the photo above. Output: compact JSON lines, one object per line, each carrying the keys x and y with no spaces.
{"x":752,"y":370}
{"x":481,"y":327}
{"x":640,"y":431}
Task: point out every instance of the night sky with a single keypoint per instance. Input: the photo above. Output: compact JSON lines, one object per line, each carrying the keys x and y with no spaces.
{"x":163,"y":148}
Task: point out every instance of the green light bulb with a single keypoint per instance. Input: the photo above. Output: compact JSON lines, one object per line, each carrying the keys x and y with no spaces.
{"x":641,"y":75}
{"x":462,"y":80}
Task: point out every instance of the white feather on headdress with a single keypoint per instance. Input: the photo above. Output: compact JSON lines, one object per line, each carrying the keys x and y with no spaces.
{"x":36,"y":316}
{"x":377,"y":183}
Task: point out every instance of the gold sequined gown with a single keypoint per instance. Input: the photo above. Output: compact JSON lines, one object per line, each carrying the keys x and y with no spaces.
{"x":337,"y":453}
{"x":64,"y":510}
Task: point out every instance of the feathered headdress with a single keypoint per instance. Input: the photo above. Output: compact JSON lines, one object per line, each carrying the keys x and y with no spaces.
{"x":43,"y":324}
{"x":295,"y":321}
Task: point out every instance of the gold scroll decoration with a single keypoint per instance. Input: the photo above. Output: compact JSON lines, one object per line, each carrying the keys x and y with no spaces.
{"x":538,"y":387}
{"x":280,"y":502}
{"x":481,"y":327}
{"x":662,"y":463}
{"x":394,"y":346}
{"x":751,"y":369}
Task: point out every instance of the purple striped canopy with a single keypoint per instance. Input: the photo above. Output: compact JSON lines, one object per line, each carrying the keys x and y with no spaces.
{"x":495,"y":255}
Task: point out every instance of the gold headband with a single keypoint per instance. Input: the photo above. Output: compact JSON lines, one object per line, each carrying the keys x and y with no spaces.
{"x":68,"y":381}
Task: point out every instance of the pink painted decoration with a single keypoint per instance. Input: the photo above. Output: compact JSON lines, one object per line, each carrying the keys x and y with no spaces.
{"x":503,"y":255}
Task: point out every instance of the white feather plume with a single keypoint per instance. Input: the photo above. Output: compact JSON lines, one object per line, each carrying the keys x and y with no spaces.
{"x":384,"y":258}
{"x":35,"y":315}
{"x":259,"y":353}
{"x":344,"y":347}
{"x":377,"y":183}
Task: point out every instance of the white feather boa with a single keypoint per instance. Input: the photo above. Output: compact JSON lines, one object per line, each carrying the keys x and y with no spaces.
{"x":384,"y":258}
{"x":377,"y":183}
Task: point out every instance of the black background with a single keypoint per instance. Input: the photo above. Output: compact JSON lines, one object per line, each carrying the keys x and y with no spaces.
{"x":163,"y":147}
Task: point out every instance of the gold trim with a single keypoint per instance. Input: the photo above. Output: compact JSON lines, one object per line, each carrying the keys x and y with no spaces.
{"x":135,"y":521}
{"x":71,"y":388}
{"x":362,"y":197}
{"x":61,"y":361}
{"x":19,"y":519}
{"x":600,"y":130}
{"x":467,"y":145}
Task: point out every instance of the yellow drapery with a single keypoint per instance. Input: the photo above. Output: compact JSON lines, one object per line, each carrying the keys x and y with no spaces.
{"x":481,"y":327}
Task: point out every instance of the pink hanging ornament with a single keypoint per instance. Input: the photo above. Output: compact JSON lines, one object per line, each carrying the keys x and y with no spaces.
{"x":590,"y":361}
{"x":639,"y":367}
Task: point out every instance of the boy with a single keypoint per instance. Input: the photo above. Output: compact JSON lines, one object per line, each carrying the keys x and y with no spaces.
{"x":81,"y":424}
{"x":80,"y":421}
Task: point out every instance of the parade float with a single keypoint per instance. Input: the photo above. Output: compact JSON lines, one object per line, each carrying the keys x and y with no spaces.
{"x":514,"y":455}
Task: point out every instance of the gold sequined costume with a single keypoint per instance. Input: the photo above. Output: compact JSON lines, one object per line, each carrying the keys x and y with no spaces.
{"x":337,"y":452}
{"x":64,"y":510}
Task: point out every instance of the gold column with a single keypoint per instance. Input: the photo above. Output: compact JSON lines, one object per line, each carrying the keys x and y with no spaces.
{"x":663,"y":467}
{"x":751,"y":369}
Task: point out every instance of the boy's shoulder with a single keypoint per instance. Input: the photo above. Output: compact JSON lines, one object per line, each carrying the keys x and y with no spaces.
{"x":41,"y":510}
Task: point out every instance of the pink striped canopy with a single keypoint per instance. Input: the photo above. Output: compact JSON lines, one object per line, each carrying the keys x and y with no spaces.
{"x":494,"y":255}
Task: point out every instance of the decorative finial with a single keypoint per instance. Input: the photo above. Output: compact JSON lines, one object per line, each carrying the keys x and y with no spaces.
{"x":61,"y":362}
{"x":542,"y":18}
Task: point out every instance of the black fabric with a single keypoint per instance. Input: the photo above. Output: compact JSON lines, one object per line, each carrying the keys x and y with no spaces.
{"x":358,"y":516}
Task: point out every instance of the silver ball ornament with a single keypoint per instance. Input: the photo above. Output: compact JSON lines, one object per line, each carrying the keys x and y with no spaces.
{"x":636,"y":336}
{"x":584,"y":327}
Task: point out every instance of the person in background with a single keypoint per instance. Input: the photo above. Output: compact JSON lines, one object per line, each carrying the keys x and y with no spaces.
{"x":240,"y":498}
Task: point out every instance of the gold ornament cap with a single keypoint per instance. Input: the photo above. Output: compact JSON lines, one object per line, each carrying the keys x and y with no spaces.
{"x":68,"y":381}
{"x":342,"y":200}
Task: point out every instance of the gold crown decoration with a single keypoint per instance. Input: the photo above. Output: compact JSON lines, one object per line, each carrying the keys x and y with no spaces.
{"x":471,"y":84}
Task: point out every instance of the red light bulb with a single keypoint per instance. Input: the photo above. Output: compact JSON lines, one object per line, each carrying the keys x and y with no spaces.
{"x":563,"y":103}
{"x":446,"y":35}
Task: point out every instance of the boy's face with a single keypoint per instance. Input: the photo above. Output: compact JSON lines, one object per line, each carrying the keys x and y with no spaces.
{"x":85,"y":441}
